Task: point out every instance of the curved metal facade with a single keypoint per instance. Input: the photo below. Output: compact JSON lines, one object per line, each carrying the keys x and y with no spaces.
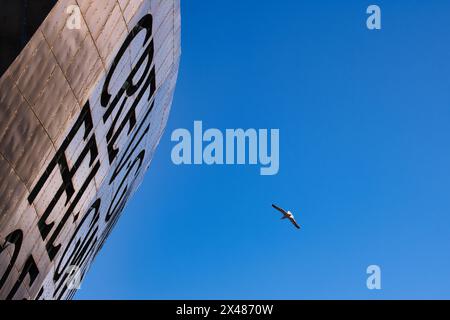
{"x":81,"y":113}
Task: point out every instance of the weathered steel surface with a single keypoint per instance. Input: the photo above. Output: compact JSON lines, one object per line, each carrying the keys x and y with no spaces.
{"x":81,"y":113}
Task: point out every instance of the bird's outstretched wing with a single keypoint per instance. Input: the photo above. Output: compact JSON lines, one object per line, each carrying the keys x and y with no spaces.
{"x":281,"y":210}
{"x":294,"y":223}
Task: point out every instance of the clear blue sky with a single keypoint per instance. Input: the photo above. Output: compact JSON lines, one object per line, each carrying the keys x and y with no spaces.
{"x":364,"y":159}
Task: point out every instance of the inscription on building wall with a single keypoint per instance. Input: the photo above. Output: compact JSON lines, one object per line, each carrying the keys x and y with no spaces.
{"x":92,"y":175}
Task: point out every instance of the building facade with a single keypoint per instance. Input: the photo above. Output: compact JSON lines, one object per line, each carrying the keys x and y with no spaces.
{"x":82,"y":109}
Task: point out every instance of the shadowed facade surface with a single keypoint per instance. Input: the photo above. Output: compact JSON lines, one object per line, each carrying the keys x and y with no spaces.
{"x":81,"y":114}
{"x":19,"y":20}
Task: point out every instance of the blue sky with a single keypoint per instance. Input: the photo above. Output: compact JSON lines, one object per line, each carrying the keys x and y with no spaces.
{"x":364,"y":159}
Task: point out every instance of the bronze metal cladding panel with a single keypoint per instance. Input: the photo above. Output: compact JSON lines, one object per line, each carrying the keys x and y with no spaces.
{"x":81,"y":113}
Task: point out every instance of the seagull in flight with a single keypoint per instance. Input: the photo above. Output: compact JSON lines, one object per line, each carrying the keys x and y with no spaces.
{"x":288,"y":215}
